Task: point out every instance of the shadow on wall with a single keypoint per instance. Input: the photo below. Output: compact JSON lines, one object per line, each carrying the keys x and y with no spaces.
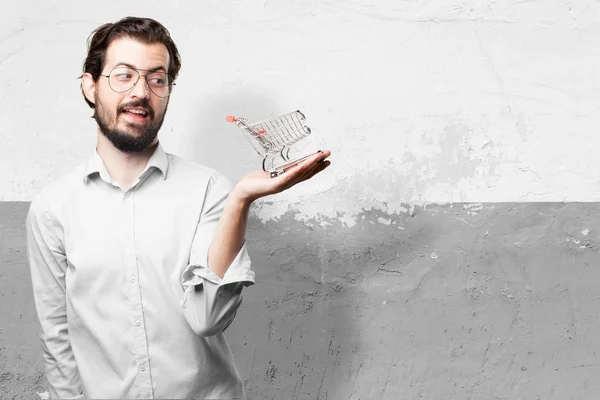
{"x":452,"y":301}
{"x":219,"y":144}
{"x":305,"y":329}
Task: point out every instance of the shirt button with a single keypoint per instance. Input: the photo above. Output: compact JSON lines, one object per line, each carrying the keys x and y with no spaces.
{"x":132,"y":279}
{"x":143,"y":367}
{"x":138,"y":323}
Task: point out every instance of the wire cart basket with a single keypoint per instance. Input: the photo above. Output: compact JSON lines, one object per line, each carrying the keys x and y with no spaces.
{"x":272,"y":139}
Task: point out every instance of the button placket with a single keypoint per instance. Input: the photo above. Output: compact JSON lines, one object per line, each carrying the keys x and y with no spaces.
{"x":139,"y":341}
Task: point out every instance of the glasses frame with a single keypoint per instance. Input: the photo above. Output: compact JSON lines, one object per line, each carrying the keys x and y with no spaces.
{"x":170,"y":85}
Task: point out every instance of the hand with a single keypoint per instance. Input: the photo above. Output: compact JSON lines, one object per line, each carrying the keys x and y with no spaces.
{"x":258,"y":184}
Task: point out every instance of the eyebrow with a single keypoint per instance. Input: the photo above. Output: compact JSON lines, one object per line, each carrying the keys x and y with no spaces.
{"x":140,"y":69}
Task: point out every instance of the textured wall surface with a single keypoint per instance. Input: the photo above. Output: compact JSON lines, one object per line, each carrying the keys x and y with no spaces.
{"x":449,"y":252}
{"x":430,"y":101}
{"x":463,"y":301}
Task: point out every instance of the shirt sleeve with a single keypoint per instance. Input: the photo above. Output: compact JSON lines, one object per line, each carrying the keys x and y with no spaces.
{"x":210,"y":302}
{"x":48,"y":263}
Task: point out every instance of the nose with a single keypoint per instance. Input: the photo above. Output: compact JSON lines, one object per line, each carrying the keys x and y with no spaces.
{"x":141,"y":89}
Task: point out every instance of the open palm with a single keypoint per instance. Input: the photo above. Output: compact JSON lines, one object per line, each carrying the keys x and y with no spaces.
{"x":259,"y":183}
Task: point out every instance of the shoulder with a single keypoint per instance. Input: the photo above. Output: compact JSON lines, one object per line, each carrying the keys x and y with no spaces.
{"x":55,"y":195}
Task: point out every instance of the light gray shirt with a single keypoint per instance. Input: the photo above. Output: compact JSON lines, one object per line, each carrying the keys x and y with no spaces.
{"x":127,"y":304}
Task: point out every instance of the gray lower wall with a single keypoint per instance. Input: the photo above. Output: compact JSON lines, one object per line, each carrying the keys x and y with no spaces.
{"x":491,"y":301}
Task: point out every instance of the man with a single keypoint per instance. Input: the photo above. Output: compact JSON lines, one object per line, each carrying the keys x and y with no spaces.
{"x":138,"y":257}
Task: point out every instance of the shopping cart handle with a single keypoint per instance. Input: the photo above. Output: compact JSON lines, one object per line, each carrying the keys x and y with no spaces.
{"x":231,"y":118}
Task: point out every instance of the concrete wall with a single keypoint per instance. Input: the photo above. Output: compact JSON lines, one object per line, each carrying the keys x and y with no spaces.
{"x":450,"y":251}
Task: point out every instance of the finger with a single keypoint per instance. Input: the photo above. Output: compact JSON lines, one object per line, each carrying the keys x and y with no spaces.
{"x":321,"y":156}
{"x":313,"y":170}
{"x":318,"y":157}
{"x":304,"y":170}
{"x":316,"y":170}
{"x":310,"y":173}
{"x":309,"y":168}
{"x":315,"y":159}
{"x":291,"y":176}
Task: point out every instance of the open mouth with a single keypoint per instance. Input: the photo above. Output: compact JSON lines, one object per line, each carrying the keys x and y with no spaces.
{"x":137,"y":114}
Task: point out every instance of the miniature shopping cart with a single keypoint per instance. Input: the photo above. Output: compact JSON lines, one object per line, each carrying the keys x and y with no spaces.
{"x":272,"y":139}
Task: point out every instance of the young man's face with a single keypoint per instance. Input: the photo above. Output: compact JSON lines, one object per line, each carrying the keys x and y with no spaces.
{"x":131,"y":119}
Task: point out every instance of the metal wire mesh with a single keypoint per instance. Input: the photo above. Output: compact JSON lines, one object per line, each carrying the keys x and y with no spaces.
{"x":272,"y":135}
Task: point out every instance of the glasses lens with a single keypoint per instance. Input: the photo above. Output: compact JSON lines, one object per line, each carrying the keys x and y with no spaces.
{"x":122,"y":79}
{"x":159,"y":83}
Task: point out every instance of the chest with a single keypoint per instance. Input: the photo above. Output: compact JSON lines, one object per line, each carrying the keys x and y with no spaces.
{"x":112,"y":236}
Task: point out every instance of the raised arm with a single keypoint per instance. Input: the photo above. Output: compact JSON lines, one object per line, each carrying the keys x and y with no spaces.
{"x":231,"y":229}
{"x":217,"y":272}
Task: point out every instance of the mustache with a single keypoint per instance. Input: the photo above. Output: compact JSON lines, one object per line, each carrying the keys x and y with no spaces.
{"x":145,"y":104}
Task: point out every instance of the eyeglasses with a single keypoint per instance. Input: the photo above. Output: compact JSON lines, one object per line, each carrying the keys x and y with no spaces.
{"x":122,"y":79}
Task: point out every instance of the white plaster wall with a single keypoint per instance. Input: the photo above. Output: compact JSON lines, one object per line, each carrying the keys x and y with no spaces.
{"x":420,"y":102}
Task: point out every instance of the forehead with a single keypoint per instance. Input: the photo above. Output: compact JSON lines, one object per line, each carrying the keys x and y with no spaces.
{"x":141,"y":55}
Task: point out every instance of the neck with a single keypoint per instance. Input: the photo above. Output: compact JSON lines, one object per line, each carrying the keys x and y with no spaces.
{"x":124,"y":168}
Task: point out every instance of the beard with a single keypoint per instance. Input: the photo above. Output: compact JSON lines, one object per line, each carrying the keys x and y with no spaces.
{"x":136,"y":138}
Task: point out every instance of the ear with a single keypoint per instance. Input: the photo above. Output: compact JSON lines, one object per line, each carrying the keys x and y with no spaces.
{"x":89,"y":87}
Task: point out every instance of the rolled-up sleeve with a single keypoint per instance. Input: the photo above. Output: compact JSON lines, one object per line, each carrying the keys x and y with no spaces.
{"x":48,"y":264}
{"x":210,"y":302}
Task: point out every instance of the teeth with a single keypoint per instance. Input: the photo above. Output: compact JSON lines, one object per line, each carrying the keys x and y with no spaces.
{"x":140,"y":112}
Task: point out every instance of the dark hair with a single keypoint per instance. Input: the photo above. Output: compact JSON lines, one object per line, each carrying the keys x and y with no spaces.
{"x":145,"y":30}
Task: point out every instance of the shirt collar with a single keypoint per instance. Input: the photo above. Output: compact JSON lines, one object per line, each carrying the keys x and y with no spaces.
{"x":159,"y":160}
